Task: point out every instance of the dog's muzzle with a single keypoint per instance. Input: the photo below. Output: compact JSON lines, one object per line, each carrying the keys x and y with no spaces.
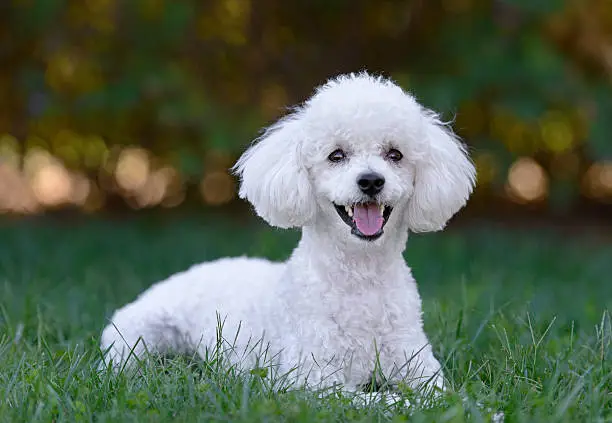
{"x":366,"y":220}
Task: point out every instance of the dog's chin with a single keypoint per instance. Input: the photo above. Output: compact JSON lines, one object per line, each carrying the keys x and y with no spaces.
{"x":347,"y":214}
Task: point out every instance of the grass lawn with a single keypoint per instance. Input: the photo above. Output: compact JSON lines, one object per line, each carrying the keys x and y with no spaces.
{"x":518,"y":317}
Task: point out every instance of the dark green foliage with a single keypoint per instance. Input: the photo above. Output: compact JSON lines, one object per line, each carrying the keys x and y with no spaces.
{"x":189,"y":79}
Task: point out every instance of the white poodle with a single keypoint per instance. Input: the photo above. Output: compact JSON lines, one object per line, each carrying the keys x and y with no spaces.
{"x":357,"y":167}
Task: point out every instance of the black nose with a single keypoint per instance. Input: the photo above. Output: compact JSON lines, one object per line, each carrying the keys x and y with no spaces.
{"x":370,"y":183}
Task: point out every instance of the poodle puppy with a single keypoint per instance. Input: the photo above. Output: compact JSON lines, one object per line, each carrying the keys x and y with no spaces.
{"x":356,"y":167}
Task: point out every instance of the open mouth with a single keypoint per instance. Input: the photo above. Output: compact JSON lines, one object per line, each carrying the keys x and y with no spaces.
{"x":366,"y":220}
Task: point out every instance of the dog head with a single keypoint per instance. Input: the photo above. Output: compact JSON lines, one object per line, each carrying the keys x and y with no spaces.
{"x":362,"y":157}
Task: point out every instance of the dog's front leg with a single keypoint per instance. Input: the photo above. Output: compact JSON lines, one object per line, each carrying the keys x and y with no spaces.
{"x":418,"y":370}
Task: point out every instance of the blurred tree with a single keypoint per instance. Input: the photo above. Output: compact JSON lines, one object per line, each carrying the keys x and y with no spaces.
{"x":190,"y":82}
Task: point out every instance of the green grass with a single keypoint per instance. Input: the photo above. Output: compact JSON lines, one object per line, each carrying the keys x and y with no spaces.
{"x":519,"y":319}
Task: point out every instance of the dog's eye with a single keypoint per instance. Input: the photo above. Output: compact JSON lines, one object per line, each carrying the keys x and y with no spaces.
{"x":336,"y":156}
{"x":394,"y":155}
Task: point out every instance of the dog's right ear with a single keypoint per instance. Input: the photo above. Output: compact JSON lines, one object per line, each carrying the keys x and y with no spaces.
{"x":274,"y":179}
{"x":445,"y":178}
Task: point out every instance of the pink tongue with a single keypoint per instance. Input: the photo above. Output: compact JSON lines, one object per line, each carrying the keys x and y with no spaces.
{"x":368,"y":218}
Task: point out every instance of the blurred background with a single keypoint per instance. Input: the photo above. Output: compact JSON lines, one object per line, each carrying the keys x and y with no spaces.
{"x":120,"y":106}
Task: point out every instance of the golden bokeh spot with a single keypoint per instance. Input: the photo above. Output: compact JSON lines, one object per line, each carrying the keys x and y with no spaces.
{"x":527,"y":181}
{"x":132,"y":170}
{"x":556,"y":132}
{"x":154,"y":190}
{"x":605,"y":177}
{"x":52,"y":185}
{"x":597,"y":181}
{"x":15,"y":193}
{"x":217,"y":188}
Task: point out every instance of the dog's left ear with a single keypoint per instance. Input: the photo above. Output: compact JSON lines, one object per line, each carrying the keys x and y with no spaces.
{"x":444,"y":179}
{"x":274,"y":179}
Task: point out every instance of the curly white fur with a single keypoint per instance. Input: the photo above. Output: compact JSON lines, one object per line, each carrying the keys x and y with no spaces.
{"x":341,"y":306}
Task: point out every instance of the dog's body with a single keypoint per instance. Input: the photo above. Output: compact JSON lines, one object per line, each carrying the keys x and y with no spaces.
{"x":356,"y":168}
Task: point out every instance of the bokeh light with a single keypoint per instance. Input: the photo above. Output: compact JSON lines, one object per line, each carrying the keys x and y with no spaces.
{"x":150,"y":102}
{"x":217,"y":188}
{"x":52,"y":185}
{"x":597,"y":181}
{"x":15,"y":193}
{"x":527,"y":181}
{"x":132,"y":170}
{"x":556,"y":132}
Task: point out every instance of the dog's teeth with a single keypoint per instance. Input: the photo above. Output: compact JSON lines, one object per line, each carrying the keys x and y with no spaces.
{"x":349,"y":211}
{"x":382,"y":208}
